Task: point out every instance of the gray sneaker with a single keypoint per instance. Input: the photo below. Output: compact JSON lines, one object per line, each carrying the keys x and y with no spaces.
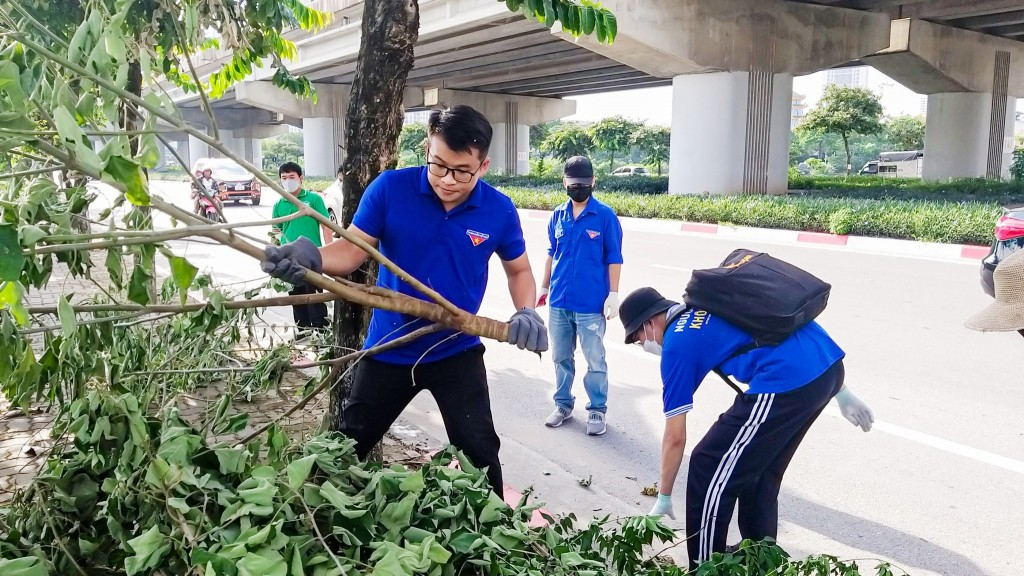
{"x":595,"y":423}
{"x":558,"y":417}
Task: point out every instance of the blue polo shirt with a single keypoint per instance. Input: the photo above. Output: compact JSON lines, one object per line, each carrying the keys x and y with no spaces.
{"x":447,"y":251}
{"x":581,"y":250}
{"x":698,"y":341}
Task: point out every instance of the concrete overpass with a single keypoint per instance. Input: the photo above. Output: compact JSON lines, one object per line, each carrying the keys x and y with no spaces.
{"x":730,"y":62}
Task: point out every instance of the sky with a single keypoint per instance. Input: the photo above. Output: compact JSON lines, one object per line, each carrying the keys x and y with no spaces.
{"x":654,"y":105}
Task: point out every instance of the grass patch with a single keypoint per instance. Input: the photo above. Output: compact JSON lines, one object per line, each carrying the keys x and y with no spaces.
{"x":925,"y":220}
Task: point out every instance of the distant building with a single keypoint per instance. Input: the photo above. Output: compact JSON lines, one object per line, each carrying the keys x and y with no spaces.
{"x":419,"y":116}
{"x":851,"y":77}
{"x":924,"y":105}
{"x":799,"y":110}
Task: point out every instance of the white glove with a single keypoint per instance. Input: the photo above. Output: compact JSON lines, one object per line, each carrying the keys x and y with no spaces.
{"x":663,"y":507}
{"x":543,"y":299}
{"x":854,"y":410}
{"x":611,"y":305}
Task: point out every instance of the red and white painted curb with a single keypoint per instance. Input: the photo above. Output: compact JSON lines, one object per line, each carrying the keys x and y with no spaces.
{"x":888,"y":246}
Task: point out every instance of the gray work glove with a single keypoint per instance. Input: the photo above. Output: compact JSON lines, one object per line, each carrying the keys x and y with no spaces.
{"x":527,"y":331}
{"x":290,"y":262}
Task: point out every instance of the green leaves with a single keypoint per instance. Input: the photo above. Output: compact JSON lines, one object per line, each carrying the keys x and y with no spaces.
{"x":149,"y":549}
{"x":11,"y":258}
{"x":579,"y":18}
{"x":66,"y":314}
{"x":28,"y":566}
{"x":11,"y":296}
{"x":183,"y":273}
{"x":127,"y":174}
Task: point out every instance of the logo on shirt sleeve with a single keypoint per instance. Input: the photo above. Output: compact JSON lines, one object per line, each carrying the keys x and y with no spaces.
{"x":593,"y":234}
{"x":477,"y":238}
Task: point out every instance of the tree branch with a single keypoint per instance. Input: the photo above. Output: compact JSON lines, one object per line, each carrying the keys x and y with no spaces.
{"x":338,"y":362}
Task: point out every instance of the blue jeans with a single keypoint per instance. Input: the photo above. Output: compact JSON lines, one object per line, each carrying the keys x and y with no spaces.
{"x":565,"y":326}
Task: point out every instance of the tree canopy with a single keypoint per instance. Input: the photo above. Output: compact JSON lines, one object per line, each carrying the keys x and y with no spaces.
{"x":846,"y":111}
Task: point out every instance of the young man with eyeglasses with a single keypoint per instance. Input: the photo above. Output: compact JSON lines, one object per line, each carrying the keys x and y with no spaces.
{"x":581,"y":278}
{"x":441,"y":223}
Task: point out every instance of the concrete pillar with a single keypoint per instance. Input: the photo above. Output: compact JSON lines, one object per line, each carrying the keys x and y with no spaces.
{"x":252,"y":150}
{"x":322,"y":139}
{"x":961,"y":131}
{"x":510,"y":148}
{"x":730,"y":133}
{"x":196,"y":149}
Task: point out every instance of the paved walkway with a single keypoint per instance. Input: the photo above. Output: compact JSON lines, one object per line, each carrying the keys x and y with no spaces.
{"x":25,"y":439}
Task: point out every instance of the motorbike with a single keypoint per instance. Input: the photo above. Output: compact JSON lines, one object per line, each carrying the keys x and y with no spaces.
{"x":207,"y":204}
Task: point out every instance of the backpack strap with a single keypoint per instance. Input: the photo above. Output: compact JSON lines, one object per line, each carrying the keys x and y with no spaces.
{"x":738,"y":352}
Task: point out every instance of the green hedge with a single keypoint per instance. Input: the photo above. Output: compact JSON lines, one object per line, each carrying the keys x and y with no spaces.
{"x":930,"y":221}
{"x":629,"y":184}
{"x":879,"y":186}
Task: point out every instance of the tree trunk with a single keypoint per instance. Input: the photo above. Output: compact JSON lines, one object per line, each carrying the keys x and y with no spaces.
{"x":373,"y":122}
{"x":846,"y":144}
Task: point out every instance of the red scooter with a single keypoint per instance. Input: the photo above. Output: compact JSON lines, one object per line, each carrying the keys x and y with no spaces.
{"x":207,"y":204}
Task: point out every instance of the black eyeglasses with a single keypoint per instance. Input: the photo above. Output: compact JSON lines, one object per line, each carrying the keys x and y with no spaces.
{"x":460,"y":176}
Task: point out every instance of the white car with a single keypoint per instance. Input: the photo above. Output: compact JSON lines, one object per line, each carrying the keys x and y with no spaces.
{"x":631,"y":171}
{"x":333,"y":200}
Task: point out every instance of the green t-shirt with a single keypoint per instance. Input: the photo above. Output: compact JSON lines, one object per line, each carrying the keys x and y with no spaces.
{"x":304,"y":226}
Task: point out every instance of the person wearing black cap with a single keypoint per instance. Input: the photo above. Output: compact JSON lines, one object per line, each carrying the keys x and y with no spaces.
{"x":746,"y":451}
{"x":581,"y":280}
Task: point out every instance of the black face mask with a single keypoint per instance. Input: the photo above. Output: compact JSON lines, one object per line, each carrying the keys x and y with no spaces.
{"x":579,"y":193}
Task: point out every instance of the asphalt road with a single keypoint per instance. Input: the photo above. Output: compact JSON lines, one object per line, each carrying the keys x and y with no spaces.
{"x":936,"y":488}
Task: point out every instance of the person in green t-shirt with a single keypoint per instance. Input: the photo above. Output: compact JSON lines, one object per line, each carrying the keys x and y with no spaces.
{"x":307,"y":316}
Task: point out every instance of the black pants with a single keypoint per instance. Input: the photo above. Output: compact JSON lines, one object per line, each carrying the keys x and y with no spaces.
{"x":309,"y":315}
{"x":743,"y":457}
{"x":381,"y":391}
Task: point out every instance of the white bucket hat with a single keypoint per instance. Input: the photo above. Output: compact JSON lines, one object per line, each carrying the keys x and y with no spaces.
{"x":1006,"y":314}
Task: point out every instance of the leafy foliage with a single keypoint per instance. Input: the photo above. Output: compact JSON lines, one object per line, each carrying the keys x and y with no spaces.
{"x":613,"y":135}
{"x":566,"y":141}
{"x":413,"y":140}
{"x":137,"y":495}
{"x":653,"y":142}
{"x":577,"y":17}
{"x":926,"y":220}
{"x":845,"y":111}
{"x":280,"y":149}
{"x":905,"y":133}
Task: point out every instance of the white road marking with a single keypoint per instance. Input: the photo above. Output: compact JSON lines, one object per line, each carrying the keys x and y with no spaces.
{"x":936,"y":442}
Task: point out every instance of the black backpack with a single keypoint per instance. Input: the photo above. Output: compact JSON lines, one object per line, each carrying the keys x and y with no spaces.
{"x":763,"y":296}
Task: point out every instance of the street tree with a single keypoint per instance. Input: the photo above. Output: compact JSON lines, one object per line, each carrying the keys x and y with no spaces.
{"x":613,"y":135}
{"x":567,"y":140}
{"x":277,"y":150}
{"x":653,"y":143}
{"x":846,"y":112}
{"x":905,"y":133}
{"x":413,"y":140}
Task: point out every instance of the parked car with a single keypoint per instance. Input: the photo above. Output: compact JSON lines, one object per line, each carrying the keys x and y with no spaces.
{"x":1009,"y":237}
{"x":333,"y":200}
{"x":234,"y":182}
{"x":631,"y":171}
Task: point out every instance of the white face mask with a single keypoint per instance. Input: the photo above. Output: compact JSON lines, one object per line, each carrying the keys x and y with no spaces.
{"x":290,"y":186}
{"x":651,"y":346}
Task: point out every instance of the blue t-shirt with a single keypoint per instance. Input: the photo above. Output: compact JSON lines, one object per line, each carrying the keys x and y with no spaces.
{"x":698,"y":341}
{"x":581,"y":250}
{"x":447,"y":251}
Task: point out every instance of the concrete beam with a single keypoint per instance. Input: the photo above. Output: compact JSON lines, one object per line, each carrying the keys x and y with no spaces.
{"x":645,"y":82}
{"x":575,"y":62}
{"x":261,"y":131}
{"x":266,"y":96}
{"x":530,"y":110}
{"x":568,"y":78}
{"x":667,"y":38}
{"x":948,"y":9}
{"x":981,"y":22}
{"x":935,"y":59}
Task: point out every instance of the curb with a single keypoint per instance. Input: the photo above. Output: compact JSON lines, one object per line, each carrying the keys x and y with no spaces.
{"x":887,"y":246}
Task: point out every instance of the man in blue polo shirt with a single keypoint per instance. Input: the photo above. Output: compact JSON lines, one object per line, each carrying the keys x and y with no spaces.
{"x":441,"y":224}
{"x":581,"y":277}
{"x":746,"y":451}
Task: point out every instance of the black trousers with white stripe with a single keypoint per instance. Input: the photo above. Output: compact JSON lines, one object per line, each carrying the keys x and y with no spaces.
{"x":743,"y":457}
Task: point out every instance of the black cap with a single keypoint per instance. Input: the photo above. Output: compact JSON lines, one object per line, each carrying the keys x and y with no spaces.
{"x":579,"y":170}
{"x":639,"y":307}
